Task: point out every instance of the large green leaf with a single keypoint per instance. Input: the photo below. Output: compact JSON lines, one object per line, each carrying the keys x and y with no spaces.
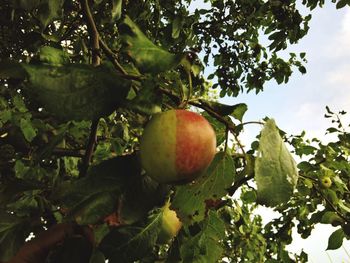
{"x":276,"y":173}
{"x":205,"y":246}
{"x":147,"y":56}
{"x":76,"y":91}
{"x":189,"y":200}
{"x":12,"y":234}
{"x":119,"y":179}
{"x":95,"y":196}
{"x":130,"y":243}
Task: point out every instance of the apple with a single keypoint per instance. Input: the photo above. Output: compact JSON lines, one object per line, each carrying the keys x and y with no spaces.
{"x":177,"y":146}
{"x":171,"y":225}
{"x":326,"y":182}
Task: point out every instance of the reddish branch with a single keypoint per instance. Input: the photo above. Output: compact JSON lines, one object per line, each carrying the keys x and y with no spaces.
{"x":37,"y":249}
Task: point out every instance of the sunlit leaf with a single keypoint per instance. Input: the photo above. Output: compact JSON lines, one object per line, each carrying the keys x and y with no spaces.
{"x":189,"y":200}
{"x":147,"y":56}
{"x":276,"y":173}
{"x":205,"y":246}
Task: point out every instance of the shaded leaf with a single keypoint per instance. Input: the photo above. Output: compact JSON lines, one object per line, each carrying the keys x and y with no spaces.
{"x":336,"y":239}
{"x":12,"y":234}
{"x":189,"y":200}
{"x":130,"y":243}
{"x":11,"y":69}
{"x":219,"y":128}
{"x":76,"y":91}
{"x":147,"y":56}
{"x":97,"y":257}
{"x":205,"y":246}
{"x":48,"y":11}
{"x":117,"y":9}
{"x":28,"y":130}
{"x":53,"y":56}
{"x":237,"y":111}
{"x":95,"y":196}
{"x":342,"y":3}
{"x":276,"y":173}
{"x":25,"y":4}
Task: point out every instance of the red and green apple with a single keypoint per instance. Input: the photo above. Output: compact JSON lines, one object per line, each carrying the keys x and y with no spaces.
{"x":177,"y":146}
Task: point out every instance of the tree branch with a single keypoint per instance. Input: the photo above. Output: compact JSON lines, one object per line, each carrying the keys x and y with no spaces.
{"x":96,"y":60}
{"x":94,"y":35}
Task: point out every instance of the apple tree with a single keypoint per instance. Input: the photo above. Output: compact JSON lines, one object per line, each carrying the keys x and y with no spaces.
{"x":79,"y":82}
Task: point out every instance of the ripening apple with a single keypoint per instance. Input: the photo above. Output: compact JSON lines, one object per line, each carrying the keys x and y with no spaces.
{"x":326,"y":182}
{"x":171,"y":225}
{"x":177,"y":146}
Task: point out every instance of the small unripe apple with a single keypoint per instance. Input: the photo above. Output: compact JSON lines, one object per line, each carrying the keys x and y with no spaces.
{"x":177,"y":146}
{"x":326,"y":182}
{"x":171,"y":225}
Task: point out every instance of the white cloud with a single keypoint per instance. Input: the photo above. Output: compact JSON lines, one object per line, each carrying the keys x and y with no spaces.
{"x":340,"y":45}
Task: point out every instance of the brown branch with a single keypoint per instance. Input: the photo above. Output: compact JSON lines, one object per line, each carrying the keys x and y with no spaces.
{"x":37,"y":249}
{"x":93,"y":32}
{"x":96,"y":60}
{"x":231,"y":191}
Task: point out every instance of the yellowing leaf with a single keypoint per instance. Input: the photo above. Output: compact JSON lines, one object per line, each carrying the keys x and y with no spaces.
{"x":276,"y":173}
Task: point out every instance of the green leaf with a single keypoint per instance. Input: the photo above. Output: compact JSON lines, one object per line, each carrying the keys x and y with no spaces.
{"x":176,"y":27}
{"x":147,"y":56}
{"x":189,"y":200}
{"x":220,"y":129}
{"x":147,"y":100}
{"x":95,"y":196}
{"x":28,"y":130}
{"x":48,"y":11}
{"x":336,"y":239}
{"x":53,"y":56}
{"x":76,"y":91}
{"x":97,"y":257}
{"x":276,"y":173}
{"x":12,"y":235}
{"x":117,"y":9}
{"x":25,"y":4}
{"x":237,"y":111}
{"x":331,"y":217}
{"x":342,"y":3}
{"x":205,"y":246}
{"x":130,"y":243}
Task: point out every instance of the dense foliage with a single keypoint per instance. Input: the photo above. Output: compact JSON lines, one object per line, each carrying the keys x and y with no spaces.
{"x":79,"y":80}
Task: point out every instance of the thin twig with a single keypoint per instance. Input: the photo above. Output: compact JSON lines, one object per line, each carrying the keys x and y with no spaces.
{"x":94,"y":35}
{"x":89,"y":148}
{"x":113,"y":58}
{"x":96,"y":60}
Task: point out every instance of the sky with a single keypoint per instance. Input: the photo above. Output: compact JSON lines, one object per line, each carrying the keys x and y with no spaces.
{"x":300,"y":105}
